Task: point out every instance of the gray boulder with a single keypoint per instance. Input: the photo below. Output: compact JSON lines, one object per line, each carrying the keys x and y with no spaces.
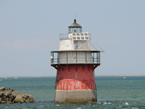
{"x":10,"y":96}
{"x":15,"y":93}
{"x":2,"y":88}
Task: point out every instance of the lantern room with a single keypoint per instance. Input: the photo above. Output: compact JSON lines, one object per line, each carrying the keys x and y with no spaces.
{"x":75,"y":27}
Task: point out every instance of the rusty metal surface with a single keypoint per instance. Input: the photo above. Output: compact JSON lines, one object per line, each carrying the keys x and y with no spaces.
{"x":74,"y":77}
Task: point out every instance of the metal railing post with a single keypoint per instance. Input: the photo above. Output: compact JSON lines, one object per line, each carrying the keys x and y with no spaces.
{"x":76,"y":57}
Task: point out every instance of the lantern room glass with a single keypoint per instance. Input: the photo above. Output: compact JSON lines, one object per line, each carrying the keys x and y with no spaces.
{"x":71,"y":30}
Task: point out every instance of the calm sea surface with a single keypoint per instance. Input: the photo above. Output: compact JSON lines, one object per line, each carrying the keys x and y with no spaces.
{"x":113,"y":93}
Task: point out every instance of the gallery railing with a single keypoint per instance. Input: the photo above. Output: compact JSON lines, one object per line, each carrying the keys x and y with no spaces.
{"x":62,"y":57}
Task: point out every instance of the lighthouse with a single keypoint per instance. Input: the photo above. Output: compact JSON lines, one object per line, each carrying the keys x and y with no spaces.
{"x":75,"y":63}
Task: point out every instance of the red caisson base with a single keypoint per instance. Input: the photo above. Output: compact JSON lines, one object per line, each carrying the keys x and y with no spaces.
{"x":74,"y":77}
{"x":75,"y":83}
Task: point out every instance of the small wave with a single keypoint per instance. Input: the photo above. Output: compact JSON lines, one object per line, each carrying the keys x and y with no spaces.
{"x":57,"y":105}
{"x":126,"y":103}
{"x":106,"y":103}
{"x":134,"y":108}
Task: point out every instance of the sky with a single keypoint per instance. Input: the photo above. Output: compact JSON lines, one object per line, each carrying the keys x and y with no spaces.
{"x":29,"y":31}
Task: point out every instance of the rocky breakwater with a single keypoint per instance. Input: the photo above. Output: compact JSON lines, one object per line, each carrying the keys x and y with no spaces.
{"x":10,"y":96}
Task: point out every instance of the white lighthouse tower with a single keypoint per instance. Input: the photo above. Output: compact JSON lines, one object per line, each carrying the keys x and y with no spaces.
{"x":75,"y":62}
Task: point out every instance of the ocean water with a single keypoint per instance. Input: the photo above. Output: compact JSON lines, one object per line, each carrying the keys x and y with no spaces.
{"x":113,"y":93}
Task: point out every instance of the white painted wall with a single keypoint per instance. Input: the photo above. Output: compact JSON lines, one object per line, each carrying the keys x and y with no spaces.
{"x":75,"y":41}
{"x":66,"y":45}
{"x":82,"y":44}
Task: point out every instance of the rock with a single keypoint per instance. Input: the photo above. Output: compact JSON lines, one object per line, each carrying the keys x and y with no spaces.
{"x":1,"y":94}
{"x":2,"y":88}
{"x":15,"y":93}
{"x":24,"y":98}
{"x":29,"y":98}
{"x":3,"y":102}
{"x":4,"y":98}
{"x":10,"y":96}
{"x":19,"y":99}
{"x":7,"y":93}
{"x":8,"y":89}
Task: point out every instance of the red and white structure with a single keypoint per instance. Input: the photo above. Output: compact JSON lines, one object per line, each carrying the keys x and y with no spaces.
{"x":75,"y":63}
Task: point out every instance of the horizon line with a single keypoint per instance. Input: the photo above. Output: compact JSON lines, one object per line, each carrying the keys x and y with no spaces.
{"x":55,"y":76}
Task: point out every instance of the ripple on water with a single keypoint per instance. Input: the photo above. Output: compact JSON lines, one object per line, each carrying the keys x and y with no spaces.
{"x":98,"y":105}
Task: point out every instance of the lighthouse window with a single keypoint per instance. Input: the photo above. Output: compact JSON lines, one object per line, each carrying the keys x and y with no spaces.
{"x":82,"y":34}
{"x":69,"y":30}
{"x":78,"y":37}
{"x":82,"y":37}
{"x":86,"y":34}
{"x":78,"y":34}
{"x":73,"y":34}
{"x":74,"y":38}
{"x":86,"y":37}
{"x":80,"y":29}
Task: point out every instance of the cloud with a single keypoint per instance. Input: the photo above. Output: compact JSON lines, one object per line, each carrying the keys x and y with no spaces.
{"x":29,"y":44}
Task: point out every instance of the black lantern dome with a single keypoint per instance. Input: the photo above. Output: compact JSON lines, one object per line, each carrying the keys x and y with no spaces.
{"x":75,"y":27}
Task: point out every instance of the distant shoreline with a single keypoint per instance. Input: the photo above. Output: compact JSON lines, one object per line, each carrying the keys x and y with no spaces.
{"x":55,"y":76}
{"x":119,"y":75}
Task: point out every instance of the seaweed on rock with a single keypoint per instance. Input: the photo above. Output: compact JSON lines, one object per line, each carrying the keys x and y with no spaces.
{"x":10,"y":96}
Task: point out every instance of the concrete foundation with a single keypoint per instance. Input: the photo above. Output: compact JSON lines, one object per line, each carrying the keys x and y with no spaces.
{"x":75,"y":96}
